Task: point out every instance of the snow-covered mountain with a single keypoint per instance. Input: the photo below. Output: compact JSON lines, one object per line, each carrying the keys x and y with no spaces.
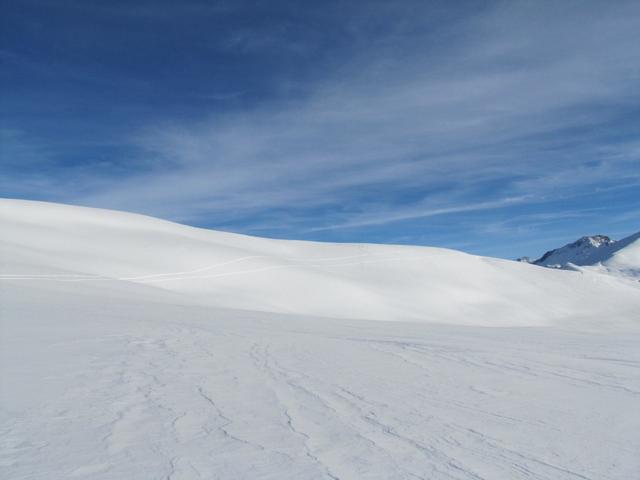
{"x":598,"y":251}
{"x":134,"y":348}
{"x":580,"y":252}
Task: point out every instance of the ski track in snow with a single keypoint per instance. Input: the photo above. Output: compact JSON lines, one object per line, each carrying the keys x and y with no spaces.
{"x":279,"y":399}
{"x":189,"y":274}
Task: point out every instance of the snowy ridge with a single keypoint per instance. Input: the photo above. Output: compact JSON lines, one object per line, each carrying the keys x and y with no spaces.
{"x":47,"y":243}
{"x":620,"y":257}
{"x":581,"y":252}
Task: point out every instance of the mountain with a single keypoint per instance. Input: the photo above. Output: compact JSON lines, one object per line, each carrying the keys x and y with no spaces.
{"x":598,"y":251}
{"x":581,"y":252}
{"x":135,"y":348}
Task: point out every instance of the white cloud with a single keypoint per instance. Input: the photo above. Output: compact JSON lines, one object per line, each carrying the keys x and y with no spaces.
{"x":468,"y":116}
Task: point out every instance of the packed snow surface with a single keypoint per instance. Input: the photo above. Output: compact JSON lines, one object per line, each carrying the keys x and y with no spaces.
{"x":141,"y":349}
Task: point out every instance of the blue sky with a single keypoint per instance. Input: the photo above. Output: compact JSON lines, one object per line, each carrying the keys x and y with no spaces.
{"x":499,"y":128}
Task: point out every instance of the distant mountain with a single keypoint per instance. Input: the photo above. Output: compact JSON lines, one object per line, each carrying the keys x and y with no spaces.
{"x":598,"y":251}
{"x":584,"y":251}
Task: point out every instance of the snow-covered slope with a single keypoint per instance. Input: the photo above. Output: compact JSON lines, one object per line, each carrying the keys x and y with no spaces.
{"x":53,"y":244}
{"x":625,"y":256}
{"x":599,"y":251}
{"x":128,"y":351}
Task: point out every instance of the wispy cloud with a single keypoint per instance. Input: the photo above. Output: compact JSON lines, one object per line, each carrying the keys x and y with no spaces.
{"x":517,"y":103}
{"x":419,"y":211}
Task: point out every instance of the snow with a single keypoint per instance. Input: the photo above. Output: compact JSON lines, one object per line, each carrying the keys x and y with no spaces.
{"x":45,"y":244}
{"x":600,"y":252}
{"x":625,"y":257}
{"x":583,"y":251}
{"x":137,"y":348}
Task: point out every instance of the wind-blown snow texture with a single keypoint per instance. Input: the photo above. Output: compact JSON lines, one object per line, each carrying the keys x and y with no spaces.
{"x":129,"y":350}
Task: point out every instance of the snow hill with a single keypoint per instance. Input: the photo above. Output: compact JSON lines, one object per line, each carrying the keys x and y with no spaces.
{"x":134,"y":348}
{"x":599,"y":251}
{"x":47,"y":244}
